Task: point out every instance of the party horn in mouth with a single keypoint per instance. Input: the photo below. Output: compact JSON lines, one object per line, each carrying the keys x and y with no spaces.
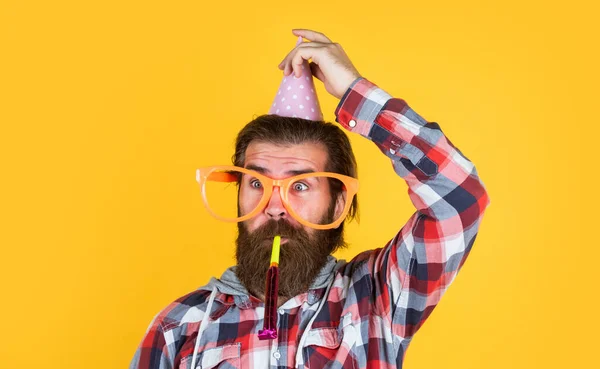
{"x":269,"y":330}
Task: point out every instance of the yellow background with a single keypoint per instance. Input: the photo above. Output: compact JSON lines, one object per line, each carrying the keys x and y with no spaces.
{"x":107,"y":108}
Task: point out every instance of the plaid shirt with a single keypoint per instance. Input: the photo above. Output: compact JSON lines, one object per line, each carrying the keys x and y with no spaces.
{"x":357,"y":314}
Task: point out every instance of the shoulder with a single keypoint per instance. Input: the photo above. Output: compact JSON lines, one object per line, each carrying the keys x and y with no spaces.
{"x":186,"y":309}
{"x":360,"y":265}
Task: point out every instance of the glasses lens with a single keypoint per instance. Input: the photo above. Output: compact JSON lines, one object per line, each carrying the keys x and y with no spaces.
{"x":221,"y":189}
{"x":312,"y":198}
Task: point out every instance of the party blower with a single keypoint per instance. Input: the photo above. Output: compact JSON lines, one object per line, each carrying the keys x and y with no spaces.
{"x":269,"y":330}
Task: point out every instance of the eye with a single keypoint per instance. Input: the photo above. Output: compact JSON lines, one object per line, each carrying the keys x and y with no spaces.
{"x":299,"y":186}
{"x":255,"y":183}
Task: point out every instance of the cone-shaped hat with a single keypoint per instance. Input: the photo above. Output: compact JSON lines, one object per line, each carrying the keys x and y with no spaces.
{"x":296,"y":97}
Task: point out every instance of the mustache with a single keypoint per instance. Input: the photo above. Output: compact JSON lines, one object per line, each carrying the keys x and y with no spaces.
{"x":281,"y":228}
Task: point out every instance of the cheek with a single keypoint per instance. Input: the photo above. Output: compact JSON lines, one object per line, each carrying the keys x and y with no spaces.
{"x":243,"y":205}
{"x":312,"y":209}
{"x":248,"y":201}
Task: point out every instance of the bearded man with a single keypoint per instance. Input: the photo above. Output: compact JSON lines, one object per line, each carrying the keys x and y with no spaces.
{"x":294,"y":176}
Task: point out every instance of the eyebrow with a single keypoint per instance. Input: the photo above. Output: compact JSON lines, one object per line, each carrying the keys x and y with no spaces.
{"x":265,"y":171}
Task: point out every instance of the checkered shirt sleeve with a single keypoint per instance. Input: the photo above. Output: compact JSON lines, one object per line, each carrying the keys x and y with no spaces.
{"x":413,"y":271}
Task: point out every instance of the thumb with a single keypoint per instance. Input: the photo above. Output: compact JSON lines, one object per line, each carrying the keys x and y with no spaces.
{"x":316,"y":71}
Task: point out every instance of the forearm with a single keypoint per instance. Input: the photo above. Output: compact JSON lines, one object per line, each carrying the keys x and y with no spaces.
{"x":420,"y":153}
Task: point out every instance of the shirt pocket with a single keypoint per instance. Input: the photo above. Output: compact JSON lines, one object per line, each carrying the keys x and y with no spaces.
{"x":325,"y":346}
{"x":227,"y":356}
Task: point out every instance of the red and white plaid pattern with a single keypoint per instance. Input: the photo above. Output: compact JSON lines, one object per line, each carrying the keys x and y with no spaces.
{"x":373,"y":304}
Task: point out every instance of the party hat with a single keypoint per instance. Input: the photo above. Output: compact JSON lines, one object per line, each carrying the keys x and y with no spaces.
{"x":296,"y":97}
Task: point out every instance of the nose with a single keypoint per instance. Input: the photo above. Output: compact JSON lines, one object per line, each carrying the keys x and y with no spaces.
{"x":275,"y":208}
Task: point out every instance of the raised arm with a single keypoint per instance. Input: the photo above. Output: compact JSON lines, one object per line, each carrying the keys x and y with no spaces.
{"x":414,"y":270}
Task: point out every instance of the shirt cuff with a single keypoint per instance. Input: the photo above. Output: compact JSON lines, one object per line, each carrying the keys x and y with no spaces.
{"x":360,"y":106}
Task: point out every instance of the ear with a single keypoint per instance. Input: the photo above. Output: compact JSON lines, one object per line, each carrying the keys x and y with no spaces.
{"x":340,"y":203}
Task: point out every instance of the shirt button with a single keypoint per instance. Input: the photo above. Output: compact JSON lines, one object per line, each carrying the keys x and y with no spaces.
{"x":392,"y":151}
{"x":352,"y":123}
{"x":276,"y":355}
{"x":281,"y":311}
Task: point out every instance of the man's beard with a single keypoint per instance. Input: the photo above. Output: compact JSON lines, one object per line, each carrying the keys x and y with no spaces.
{"x":301,"y":257}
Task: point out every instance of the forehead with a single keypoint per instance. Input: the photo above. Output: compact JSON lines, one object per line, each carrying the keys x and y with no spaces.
{"x":278,"y":159}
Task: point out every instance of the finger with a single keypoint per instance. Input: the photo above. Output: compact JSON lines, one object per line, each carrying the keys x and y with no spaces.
{"x":302,"y":45}
{"x":297,"y":64}
{"x":311,"y":35}
{"x":301,"y":55}
{"x":317,"y":72}
{"x":287,"y":70}
{"x":288,"y":58}
{"x":285,"y":63}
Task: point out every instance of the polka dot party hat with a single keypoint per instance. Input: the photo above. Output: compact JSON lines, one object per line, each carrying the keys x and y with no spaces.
{"x":296,"y":97}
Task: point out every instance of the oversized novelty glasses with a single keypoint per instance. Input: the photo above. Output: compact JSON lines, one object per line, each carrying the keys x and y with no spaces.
{"x":222,"y":186}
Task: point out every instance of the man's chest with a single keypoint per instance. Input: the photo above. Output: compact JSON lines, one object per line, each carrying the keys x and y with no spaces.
{"x":333,"y":338}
